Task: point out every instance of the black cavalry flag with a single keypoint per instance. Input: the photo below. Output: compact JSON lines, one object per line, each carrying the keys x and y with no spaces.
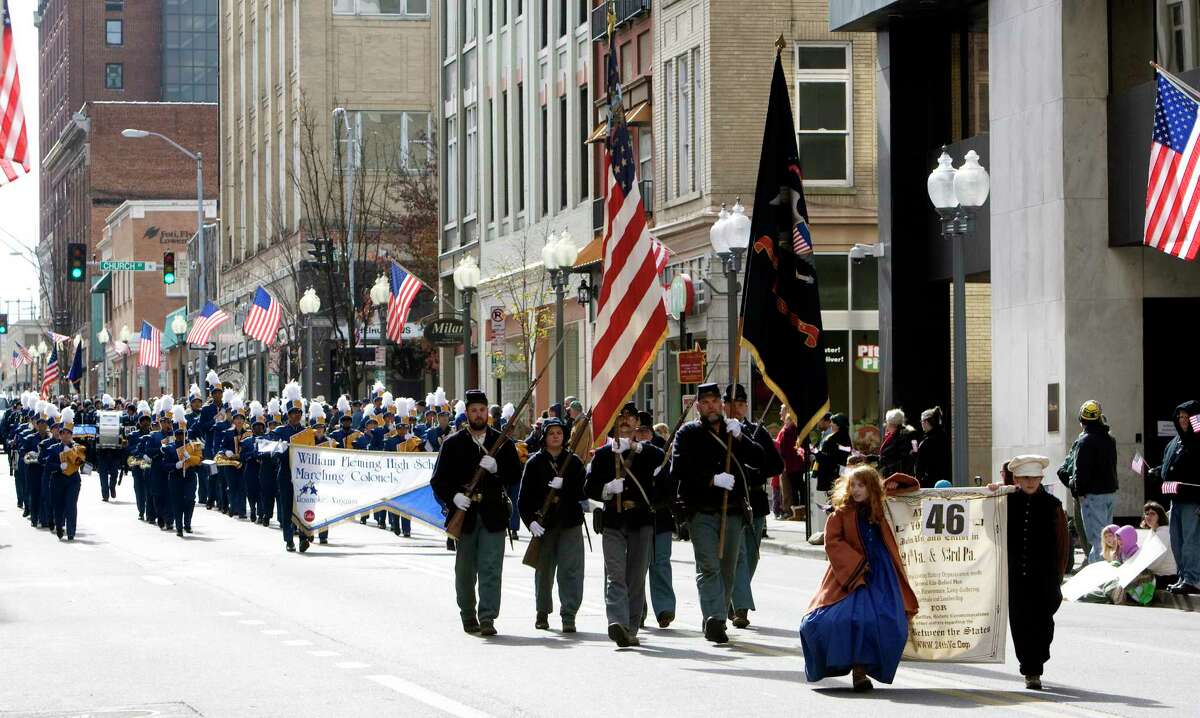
{"x":781,"y":310}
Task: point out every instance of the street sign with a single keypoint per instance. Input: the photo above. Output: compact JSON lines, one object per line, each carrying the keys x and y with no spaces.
{"x":691,"y":366}
{"x":497,"y":316}
{"x":109,"y":265}
{"x":381,"y":355}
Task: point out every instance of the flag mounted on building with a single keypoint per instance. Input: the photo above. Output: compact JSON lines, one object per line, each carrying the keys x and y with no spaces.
{"x":404,"y":288}
{"x":781,"y":308}
{"x":150,"y":346}
{"x":205,"y":323}
{"x":631,"y":321}
{"x":50,"y":373}
{"x":75,"y":373}
{"x":262,"y":321}
{"x":14,"y":157}
{"x":21,"y":356}
{"x":1172,"y":195}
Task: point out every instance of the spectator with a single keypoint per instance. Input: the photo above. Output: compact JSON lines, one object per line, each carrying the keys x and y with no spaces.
{"x":834,"y":453}
{"x":1154,"y":518}
{"x":933,"y":453}
{"x":662,"y":432}
{"x":896,"y":451}
{"x":1180,"y":474}
{"x":792,"y":485}
{"x":1094,"y":474}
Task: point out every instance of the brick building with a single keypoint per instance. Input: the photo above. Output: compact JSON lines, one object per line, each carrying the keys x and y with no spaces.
{"x":142,"y":230}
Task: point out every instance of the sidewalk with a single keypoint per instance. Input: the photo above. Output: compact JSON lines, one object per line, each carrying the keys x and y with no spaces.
{"x":787,"y":537}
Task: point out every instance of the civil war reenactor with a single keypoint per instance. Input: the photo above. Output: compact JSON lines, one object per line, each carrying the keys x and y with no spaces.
{"x":714,"y":493}
{"x":757,"y":478}
{"x":662,"y":590}
{"x":622,"y":475}
{"x":549,"y":504}
{"x":480,"y":553}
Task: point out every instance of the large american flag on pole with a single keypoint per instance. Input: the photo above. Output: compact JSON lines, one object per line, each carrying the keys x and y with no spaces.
{"x":632,"y":319}
{"x":1171,"y":191}
{"x":14,"y":158}
{"x":21,"y":356}
{"x":404,"y":288}
{"x":206,"y":323}
{"x":50,"y":373}
{"x":150,"y":346}
{"x":262,"y":321}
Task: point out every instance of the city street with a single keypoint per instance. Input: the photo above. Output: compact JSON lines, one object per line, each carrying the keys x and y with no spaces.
{"x":128,"y":620}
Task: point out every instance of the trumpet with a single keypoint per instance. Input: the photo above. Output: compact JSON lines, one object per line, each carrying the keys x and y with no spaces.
{"x":222,"y":460}
{"x":134,"y":462}
{"x":30,"y":457}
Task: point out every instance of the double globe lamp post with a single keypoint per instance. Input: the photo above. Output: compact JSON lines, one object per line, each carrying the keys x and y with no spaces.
{"x":466,"y":280}
{"x":558,"y":256}
{"x":730,"y":236}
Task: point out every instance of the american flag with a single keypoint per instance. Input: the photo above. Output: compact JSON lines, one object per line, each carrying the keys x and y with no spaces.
{"x":1170,"y":488}
{"x":404,"y":288}
{"x":632,"y":321}
{"x":661,"y":255}
{"x":21,"y":357}
{"x":56,"y":338}
{"x":50,"y":373}
{"x":1171,"y":196}
{"x":1138,"y":465}
{"x":17,"y":361}
{"x":262,"y":321}
{"x":1195,"y":422}
{"x":150,"y":346}
{"x":801,"y":238}
{"x":14,"y":162}
{"x":206,"y":323}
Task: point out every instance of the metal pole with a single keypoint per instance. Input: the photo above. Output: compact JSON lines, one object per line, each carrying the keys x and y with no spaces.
{"x":182,"y":372}
{"x":466,"y":340}
{"x":202,"y":283}
{"x":957,"y":237}
{"x":560,"y":359}
{"x":308,"y":356}
{"x":383,"y":339}
{"x":350,"y":156}
{"x":731,"y":297}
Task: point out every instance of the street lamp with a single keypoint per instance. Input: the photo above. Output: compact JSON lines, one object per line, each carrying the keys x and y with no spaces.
{"x":466,"y":279}
{"x":179,"y":327}
{"x":310,"y":304}
{"x":381,"y":292}
{"x":956,"y":194}
{"x":198,"y":158}
{"x":559,"y":256}
{"x":729,"y":236}
{"x":126,"y":335}
{"x":36,"y":366}
{"x":102,"y":337}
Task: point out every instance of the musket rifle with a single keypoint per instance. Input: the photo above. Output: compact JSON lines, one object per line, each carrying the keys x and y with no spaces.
{"x":454,"y":524}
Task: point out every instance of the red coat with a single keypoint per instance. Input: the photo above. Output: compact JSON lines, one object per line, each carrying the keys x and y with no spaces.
{"x":847,"y":569}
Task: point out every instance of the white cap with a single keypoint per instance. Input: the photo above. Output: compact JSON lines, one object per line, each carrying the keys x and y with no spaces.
{"x":1028,"y":465}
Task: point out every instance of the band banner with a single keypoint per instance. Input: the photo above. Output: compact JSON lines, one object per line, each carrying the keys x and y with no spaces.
{"x":953,"y":545}
{"x":332,"y":485}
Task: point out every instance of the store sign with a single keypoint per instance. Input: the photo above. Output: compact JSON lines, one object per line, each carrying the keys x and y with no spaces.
{"x":444,"y":331}
{"x":866,"y":358}
{"x":691,"y":366}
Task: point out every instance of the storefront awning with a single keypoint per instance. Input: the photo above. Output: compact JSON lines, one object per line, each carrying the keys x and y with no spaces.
{"x":103,"y":284}
{"x":640,"y":114}
{"x":592,"y":253}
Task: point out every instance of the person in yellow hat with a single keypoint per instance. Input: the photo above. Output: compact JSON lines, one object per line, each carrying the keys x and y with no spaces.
{"x":1090,"y":471}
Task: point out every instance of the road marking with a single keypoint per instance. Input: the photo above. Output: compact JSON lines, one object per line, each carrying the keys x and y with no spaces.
{"x":352,"y":664}
{"x":157,"y":580}
{"x":428,"y":697}
{"x":252,"y":622}
{"x":297,"y":642}
{"x":274,"y":632}
{"x":229,"y":613}
{"x":324,"y":654}
{"x":1001,"y":697}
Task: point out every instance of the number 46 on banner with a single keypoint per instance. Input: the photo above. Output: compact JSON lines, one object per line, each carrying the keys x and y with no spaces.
{"x":945,"y":518}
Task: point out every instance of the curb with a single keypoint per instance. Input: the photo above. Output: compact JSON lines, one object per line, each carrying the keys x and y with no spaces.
{"x":804,"y":549}
{"x":1163,"y":599}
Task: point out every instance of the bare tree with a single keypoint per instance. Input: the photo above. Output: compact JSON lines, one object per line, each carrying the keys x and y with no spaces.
{"x":523,"y":286}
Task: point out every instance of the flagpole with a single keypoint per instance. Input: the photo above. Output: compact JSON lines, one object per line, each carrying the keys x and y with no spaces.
{"x":1174,"y":80}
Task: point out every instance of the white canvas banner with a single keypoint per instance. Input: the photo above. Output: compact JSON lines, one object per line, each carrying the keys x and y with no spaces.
{"x":952,"y":543}
{"x":331,"y":485}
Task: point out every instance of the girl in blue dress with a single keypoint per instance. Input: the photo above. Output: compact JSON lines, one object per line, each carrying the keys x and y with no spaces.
{"x":857,"y":622}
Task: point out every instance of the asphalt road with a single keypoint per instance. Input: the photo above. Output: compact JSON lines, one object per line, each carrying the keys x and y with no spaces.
{"x":131,"y":621}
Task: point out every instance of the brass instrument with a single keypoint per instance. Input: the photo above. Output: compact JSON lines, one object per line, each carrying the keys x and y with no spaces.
{"x":73,"y":457}
{"x":236,"y":460}
{"x":134,"y":462}
{"x":413,"y":444}
{"x":348,"y":442}
{"x":193,"y":450}
{"x":307,"y":437}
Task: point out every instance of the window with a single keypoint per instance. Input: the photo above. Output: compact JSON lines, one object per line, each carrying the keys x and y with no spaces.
{"x":472,"y":160}
{"x":544,"y":27}
{"x":585,"y":128}
{"x":190,"y":51}
{"x":502,"y":156}
{"x":645,"y":53}
{"x":823,"y":113}
{"x":683,"y":130}
{"x":487,"y":17}
{"x":562,"y":18}
{"x":114,"y":5}
{"x":417,"y":8}
{"x":520,"y":147}
{"x":114,"y":32}
{"x":114,"y":76}
{"x":562,"y":153}
{"x":645,"y":155}
{"x":470,"y":17}
{"x":451,"y":182}
{"x":489,"y":190}
{"x":626,"y":62}
{"x":450,"y":29}
{"x":683,"y":124}
{"x":545,"y":163}
{"x":668,"y":145}
{"x":398,"y":140}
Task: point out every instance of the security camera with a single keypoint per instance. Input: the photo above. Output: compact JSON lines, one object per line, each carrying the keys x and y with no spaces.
{"x":861,"y":251}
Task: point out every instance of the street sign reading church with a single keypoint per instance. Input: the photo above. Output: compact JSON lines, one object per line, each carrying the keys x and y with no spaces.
{"x":109,"y":265}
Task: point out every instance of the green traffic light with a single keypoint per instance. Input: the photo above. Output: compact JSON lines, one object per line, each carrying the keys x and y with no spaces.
{"x":3,"y":330}
{"x":169,"y":278}
{"x":76,"y":273}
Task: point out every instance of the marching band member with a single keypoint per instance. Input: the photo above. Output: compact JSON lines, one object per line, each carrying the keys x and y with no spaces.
{"x":480,"y":555}
{"x":283,"y":476}
{"x":226,"y":438}
{"x":195,"y":426}
{"x":108,"y":459}
{"x":137,"y":450}
{"x":160,"y":466}
{"x":64,"y":477}
{"x":30,"y":451}
{"x":46,"y":463}
{"x":252,"y":464}
{"x":177,"y":458}
{"x":622,"y":475}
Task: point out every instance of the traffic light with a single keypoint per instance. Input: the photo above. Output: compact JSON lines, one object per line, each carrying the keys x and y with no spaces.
{"x":3,"y":324}
{"x":76,"y":262}
{"x":168,"y":267}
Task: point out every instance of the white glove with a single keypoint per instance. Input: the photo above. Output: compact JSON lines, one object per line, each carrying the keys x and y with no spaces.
{"x":621,"y":446}
{"x":658,"y":470}
{"x":145,"y":457}
{"x":556,"y":483}
{"x":724,"y":481}
{"x":179,"y":464}
{"x":228,"y":454}
{"x":488,"y":464}
{"x":613,"y":488}
{"x":462,"y":502}
{"x":62,"y":466}
{"x":186,"y":456}
{"x":734,"y":426}
{"x":536,"y":529}
{"x":636,"y":447}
